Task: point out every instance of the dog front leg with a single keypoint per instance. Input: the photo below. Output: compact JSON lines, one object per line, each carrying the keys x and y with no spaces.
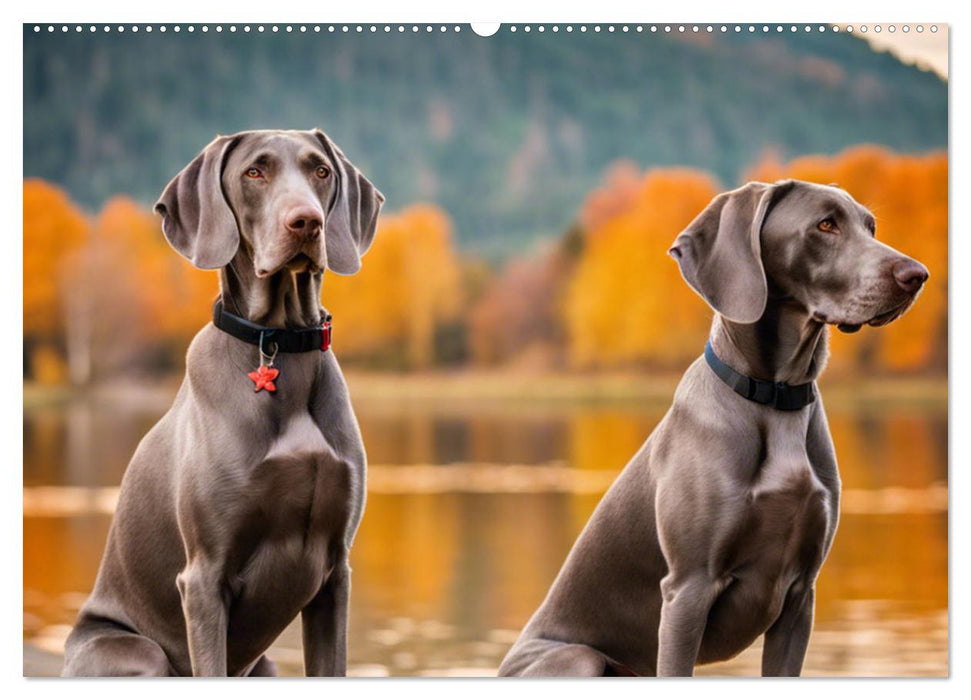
{"x":684,"y":612}
{"x":324,"y":623}
{"x":205,"y":606}
{"x":787,"y":640}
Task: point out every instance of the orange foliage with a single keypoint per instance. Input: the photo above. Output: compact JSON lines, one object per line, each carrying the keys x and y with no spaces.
{"x":173,"y":299}
{"x":133,"y":300}
{"x":908,"y":196}
{"x":128,"y":291}
{"x":626,"y":302}
{"x":54,"y":228}
{"x":607,"y":292}
{"x":407,"y":286}
{"x":104,"y":290}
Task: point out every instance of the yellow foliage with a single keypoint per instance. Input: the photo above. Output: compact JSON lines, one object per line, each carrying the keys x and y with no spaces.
{"x":408,"y":284}
{"x":54,"y":228}
{"x":626,"y":302}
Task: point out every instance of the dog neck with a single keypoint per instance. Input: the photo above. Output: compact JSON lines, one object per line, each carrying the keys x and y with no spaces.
{"x":285,"y":299}
{"x":784,"y":345}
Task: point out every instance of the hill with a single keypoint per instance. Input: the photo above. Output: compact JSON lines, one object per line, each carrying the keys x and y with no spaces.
{"x":506,"y":133}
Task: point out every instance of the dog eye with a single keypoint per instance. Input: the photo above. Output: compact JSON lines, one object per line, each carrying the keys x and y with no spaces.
{"x":322,"y":172}
{"x":254,"y":173}
{"x":827,"y":226}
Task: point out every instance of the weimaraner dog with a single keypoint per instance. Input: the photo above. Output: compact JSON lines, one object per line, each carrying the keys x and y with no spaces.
{"x":716,"y":530}
{"x":239,"y":507}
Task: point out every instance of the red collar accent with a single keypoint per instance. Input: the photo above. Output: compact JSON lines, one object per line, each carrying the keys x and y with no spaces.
{"x":325,"y":328}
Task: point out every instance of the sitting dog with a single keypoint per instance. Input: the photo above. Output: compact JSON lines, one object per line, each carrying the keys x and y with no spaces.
{"x":239,"y":506}
{"x":716,"y":530}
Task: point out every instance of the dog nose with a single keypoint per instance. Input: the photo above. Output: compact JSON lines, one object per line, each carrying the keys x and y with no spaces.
{"x":910,"y":275}
{"x":305,"y":221}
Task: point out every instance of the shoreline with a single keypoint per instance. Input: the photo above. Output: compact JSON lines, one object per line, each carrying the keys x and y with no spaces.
{"x":460,"y":386}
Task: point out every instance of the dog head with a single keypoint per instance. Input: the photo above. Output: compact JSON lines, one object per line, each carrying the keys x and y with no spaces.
{"x":292,"y":198}
{"x":812,"y":244}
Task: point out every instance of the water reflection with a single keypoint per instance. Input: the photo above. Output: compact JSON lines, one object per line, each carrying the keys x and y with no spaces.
{"x":445,"y":576}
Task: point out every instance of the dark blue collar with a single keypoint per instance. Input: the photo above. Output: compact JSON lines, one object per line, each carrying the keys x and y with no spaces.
{"x":780,"y":395}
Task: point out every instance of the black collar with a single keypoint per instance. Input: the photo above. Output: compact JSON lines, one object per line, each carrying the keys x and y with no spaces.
{"x":783,"y":396}
{"x":285,"y":340}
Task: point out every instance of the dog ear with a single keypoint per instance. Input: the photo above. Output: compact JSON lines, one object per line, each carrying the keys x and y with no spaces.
{"x":352,"y":214}
{"x":196,"y":217}
{"x":720,"y":252}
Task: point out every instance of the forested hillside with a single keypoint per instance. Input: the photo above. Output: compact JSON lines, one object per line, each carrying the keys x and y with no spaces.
{"x":506,"y":134}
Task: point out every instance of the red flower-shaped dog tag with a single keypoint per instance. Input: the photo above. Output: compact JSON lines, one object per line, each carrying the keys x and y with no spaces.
{"x":263,"y":378}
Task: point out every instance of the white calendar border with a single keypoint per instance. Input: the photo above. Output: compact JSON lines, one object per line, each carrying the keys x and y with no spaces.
{"x":521,"y":11}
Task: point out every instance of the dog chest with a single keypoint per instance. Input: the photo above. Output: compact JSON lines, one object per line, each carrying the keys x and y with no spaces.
{"x":788,"y":515}
{"x":780,"y":543}
{"x":300,"y":495}
{"x":304,"y":486}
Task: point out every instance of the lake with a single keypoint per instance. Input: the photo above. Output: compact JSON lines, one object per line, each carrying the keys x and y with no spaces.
{"x":475,"y":501}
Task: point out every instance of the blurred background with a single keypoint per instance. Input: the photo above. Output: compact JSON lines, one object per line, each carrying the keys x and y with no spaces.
{"x":517,"y":329}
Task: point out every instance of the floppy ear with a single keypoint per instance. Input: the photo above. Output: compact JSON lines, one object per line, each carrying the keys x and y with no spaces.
{"x":720,"y":253}
{"x":352,"y":215}
{"x":196,"y":218}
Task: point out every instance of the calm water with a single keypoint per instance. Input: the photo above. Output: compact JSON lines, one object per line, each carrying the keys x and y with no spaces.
{"x":473,"y":506}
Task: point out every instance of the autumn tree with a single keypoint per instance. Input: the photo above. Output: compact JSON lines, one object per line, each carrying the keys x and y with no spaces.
{"x":173,"y":299}
{"x":109,"y":294}
{"x":408,"y":285}
{"x":142,"y":301}
{"x":54,"y":230}
{"x":626,"y":303}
